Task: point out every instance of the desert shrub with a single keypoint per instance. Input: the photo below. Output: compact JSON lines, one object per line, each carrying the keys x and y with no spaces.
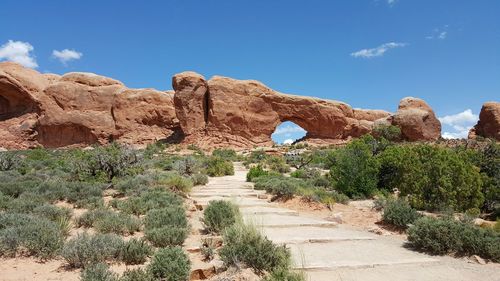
{"x":443,"y":236}
{"x":85,"y":195}
{"x":277,"y":164}
{"x":388,"y":132}
{"x":187,"y":166}
{"x":148,"y":200}
{"x":284,"y":275}
{"x":245,"y":244}
{"x":208,"y":249}
{"x":431,"y":177}
{"x":305,"y":173}
{"x":399,"y":213}
{"x":135,"y":251}
{"x":137,"y":274}
{"x":199,"y":179}
{"x":98,"y":272}
{"x":53,"y":190}
{"x":218,"y":167}
{"x":178,"y":183}
{"x":256,"y":156}
{"x":25,"y":203}
{"x":133,"y":185}
{"x":322,"y":195}
{"x":53,"y":213}
{"x":9,"y":160}
{"x":225,"y":153}
{"x":283,"y":188}
{"x":488,"y":160}
{"x":355,"y":171}
{"x":170,"y":216}
{"x":86,"y":249}
{"x":170,"y":264}
{"x":255,"y":172}
{"x":40,"y":237}
{"x":89,"y":218}
{"x":166,"y":236}
{"x":219,"y":215}
{"x":118,"y":223}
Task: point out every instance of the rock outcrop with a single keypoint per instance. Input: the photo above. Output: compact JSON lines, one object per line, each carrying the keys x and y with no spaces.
{"x":78,"y":109}
{"x":417,"y":120}
{"x":488,"y":125}
{"x":85,"y":108}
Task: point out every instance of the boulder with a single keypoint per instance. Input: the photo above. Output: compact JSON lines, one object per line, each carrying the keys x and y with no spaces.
{"x":488,"y":125}
{"x":417,"y":120}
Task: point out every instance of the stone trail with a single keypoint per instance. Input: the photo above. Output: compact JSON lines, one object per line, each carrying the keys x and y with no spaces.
{"x":325,"y":251}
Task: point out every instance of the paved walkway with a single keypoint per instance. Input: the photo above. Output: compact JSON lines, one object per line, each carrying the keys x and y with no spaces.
{"x":327,"y":252}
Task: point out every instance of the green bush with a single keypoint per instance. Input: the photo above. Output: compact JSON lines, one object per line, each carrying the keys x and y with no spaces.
{"x":178,"y":183}
{"x":39,"y":236}
{"x":187,"y":166}
{"x":225,"y":153}
{"x":135,"y":251}
{"x":89,"y":218}
{"x":355,"y":172}
{"x":388,"y":132}
{"x":170,"y":264}
{"x":283,"y":188}
{"x":25,"y":203}
{"x":443,"y":236}
{"x":137,"y":274}
{"x":9,"y":160}
{"x":399,"y":213}
{"x":98,"y":272}
{"x":218,"y":167}
{"x":85,"y":249}
{"x":117,"y":223}
{"x":255,"y":172}
{"x":149,"y":200}
{"x":174,"y":216}
{"x":85,"y":195}
{"x":166,"y":236}
{"x":245,"y":244}
{"x":53,"y":213}
{"x":277,"y":164}
{"x":305,"y":173}
{"x":431,"y":177}
{"x":284,"y":275}
{"x":199,"y":179}
{"x":219,"y":215}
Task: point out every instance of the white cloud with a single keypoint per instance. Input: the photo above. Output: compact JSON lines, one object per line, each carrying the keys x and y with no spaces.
{"x":443,"y":35}
{"x":288,"y":129}
{"x":20,"y":52}
{"x":391,"y":2}
{"x":288,"y":141}
{"x":66,"y":55}
{"x":438,"y":33}
{"x":459,"y":123}
{"x":378,"y":51}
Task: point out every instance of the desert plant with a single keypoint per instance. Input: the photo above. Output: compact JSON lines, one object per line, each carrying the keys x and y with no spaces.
{"x":52,"y":212}
{"x":178,"y":183}
{"x":166,"y":236}
{"x":255,"y":172}
{"x":98,"y":272}
{"x":174,"y":216}
{"x":355,"y":172}
{"x":277,"y":164}
{"x":135,"y":251}
{"x":137,"y":274}
{"x":225,"y":153}
{"x":208,"y":248}
{"x":220,"y":214}
{"x":399,"y":213}
{"x":86,"y":249}
{"x":89,"y":218}
{"x":149,"y":200}
{"x":245,"y":244}
{"x":187,"y":166}
{"x":170,"y":264}
{"x":284,"y":275}
{"x":199,"y":179}
{"x":388,"y":132}
{"x":9,"y":160}
{"x":218,"y":167}
{"x":443,"y":236}
{"x":118,"y":223}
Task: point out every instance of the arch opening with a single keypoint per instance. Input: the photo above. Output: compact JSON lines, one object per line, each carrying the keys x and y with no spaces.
{"x":287,"y":133}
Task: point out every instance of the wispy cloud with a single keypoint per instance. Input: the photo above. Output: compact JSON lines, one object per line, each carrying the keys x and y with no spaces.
{"x":378,"y":51}
{"x":459,"y":124}
{"x":438,"y":33}
{"x":288,"y":141}
{"x":66,"y":55}
{"x":20,"y":52}
{"x":391,"y":2}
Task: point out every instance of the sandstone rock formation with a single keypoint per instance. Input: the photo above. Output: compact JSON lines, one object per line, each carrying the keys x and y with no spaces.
{"x":488,"y":125}
{"x":84,"y":108}
{"x":417,"y":120}
{"x":78,"y":109}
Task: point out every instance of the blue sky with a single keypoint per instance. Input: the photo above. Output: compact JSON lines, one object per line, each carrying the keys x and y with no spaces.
{"x":368,"y":53}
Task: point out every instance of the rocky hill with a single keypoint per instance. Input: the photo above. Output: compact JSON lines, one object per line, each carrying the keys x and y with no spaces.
{"x":79,"y":109}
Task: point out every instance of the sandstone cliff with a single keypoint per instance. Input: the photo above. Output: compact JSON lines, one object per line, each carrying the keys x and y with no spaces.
{"x":488,"y":125}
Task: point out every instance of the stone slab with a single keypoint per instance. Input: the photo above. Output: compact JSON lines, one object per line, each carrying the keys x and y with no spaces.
{"x":276,"y":220}
{"x":306,"y":234}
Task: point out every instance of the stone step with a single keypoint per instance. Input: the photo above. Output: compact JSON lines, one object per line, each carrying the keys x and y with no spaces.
{"x":276,"y":220}
{"x":353,"y":254}
{"x":306,"y":234}
{"x":261,"y":210}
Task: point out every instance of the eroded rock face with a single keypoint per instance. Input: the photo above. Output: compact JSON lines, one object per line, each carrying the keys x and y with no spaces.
{"x":417,"y":120}
{"x":79,"y":109}
{"x":488,"y":125}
